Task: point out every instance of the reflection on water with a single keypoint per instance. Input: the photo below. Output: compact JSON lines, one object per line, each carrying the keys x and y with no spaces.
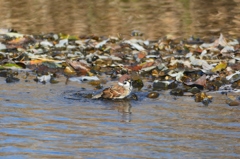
{"x":155,"y":18}
{"x":38,"y":122}
{"x":124,"y":109}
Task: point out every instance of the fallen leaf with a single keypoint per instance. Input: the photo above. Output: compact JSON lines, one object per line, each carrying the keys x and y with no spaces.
{"x":201,"y":81}
{"x":221,"y":66}
{"x":220,"y":41}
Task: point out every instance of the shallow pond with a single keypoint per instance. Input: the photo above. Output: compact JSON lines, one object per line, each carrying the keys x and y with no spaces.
{"x":42,"y":121}
{"x":55,"y":121}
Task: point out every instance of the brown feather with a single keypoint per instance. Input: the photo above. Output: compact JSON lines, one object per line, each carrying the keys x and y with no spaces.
{"x":106,"y":93}
{"x":113,"y":92}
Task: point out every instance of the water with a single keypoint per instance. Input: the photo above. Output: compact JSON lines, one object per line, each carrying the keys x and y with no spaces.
{"x":154,"y":18}
{"x":41,"y":121}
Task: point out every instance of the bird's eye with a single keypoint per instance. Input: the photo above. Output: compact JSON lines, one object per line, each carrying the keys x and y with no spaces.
{"x":125,"y":82}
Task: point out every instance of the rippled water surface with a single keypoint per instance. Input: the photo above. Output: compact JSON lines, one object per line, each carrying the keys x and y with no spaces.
{"x":48,"y":121}
{"x":42,"y":121}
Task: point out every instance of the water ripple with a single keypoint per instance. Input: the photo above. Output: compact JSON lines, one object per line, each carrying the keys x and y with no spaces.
{"x":167,"y":128}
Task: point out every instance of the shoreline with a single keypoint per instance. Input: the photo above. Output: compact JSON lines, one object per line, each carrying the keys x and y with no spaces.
{"x":184,"y":67}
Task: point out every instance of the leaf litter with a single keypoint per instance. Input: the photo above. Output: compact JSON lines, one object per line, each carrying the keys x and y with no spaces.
{"x":189,"y":67}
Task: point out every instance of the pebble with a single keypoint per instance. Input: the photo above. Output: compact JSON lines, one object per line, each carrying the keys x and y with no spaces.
{"x":153,"y":95}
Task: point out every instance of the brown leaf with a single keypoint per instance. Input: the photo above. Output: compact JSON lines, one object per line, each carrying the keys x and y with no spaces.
{"x":220,"y":41}
{"x":147,"y":64}
{"x":201,"y":81}
{"x":78,"y":65}
{"x":135,"y":68}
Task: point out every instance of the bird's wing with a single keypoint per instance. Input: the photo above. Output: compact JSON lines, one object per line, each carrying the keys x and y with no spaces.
{"x":119,"y":89}
{"x":112,"y":92}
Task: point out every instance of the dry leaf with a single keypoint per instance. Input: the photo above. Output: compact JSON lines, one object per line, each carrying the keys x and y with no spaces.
{"x":201,"y":81}
{"x":221,"y":66}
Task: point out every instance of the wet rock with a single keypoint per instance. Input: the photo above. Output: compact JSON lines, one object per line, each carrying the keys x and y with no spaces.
{"x":136,"y":81}
{"x":11,"y":79}
{"x":160,"y":85}
{"x":203,"y":97}
{"x":172,"y":85}
{"x":134,"y":96}
{"x":53,"y":81}
{"x":137,"y":84}
{"x":232,"y":101}
{"x":206,"y":101}
{"x":177,"y":92}
{"x":94,"y":83}
{"x":194,"y":90}
{"x":153,"y":95}
{"x":199,"y":97}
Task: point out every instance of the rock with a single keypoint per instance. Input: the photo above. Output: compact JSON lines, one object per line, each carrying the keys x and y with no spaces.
{"x":203,"y":97}
{"x":232,"y":101}
{"x":177,"y":92}
{"x":137,"y":84}
{"x":11,"y":79}
{"x":153,"y":95}
{"x":161,"y":85}
{"x":194,"y":90}
{"x":172,"y":85}
{"x":206,"y":101}
{"x":134,"y":96}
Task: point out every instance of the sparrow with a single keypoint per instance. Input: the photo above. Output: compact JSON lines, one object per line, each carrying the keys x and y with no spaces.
{"x":118,"y":91}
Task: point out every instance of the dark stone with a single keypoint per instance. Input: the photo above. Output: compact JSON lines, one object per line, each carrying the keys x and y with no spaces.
{"x":134,"y":96}
{"x":177,"y":92}
{"x":137,"y":84}
{"x":194,"y":90}
{"x":158,"y":85}
{"x":11,"y":79}
{"x":206,"y":101}
{"x":153,"y":95}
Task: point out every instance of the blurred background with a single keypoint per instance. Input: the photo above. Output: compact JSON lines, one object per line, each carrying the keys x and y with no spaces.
{"x":155,"y":18}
